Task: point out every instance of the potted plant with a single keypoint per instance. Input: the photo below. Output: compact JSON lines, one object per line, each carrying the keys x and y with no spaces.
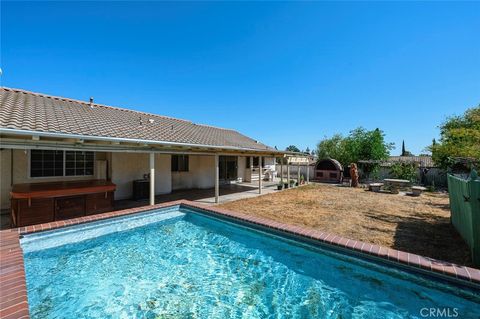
{"x":285,"y":184}
{"x":302,"y":179}
{"x":292,"y":183}
{"x":279,"y":186}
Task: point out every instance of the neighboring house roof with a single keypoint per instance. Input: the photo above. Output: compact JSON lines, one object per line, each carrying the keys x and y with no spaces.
{"x":423,"y":161}
{"x":24,"y":110}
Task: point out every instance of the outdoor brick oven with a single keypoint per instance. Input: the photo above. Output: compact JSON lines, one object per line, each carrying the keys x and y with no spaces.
{"x":329,"y":170}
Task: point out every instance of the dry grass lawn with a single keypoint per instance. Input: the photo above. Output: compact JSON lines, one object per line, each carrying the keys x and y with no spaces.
{"x":420,"y":225}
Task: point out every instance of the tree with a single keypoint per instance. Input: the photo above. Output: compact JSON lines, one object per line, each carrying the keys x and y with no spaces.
{"x":404,"y":151}
{"x":293,"y":148}
{"x":459,"y":138}
{"x":360,"y":144}
{"x":307,"y":151}
{"x":333,"y":147}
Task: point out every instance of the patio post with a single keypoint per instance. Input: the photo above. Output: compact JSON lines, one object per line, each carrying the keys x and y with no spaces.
{"x":259,"y":174}
{"x":308,"y":173}
{"x":288,"y":172}
{"x":281,"y":170}
{"x":298,"y":174}
{"x":152,"y":178}
{"x":217,"y":177}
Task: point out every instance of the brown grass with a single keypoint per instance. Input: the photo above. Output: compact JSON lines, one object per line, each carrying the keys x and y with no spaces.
{"x":420,"y":225}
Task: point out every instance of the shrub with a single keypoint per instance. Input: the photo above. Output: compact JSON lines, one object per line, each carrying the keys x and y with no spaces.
{"x":406,"y":171}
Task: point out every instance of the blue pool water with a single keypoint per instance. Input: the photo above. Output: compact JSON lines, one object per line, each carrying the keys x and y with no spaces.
{"x":181,"y":264}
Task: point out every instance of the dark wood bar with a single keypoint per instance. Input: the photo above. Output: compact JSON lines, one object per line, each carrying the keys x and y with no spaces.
{"x":35,"y":203}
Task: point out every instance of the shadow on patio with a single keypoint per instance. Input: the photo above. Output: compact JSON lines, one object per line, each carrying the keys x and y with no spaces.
{"x":205,"y":196}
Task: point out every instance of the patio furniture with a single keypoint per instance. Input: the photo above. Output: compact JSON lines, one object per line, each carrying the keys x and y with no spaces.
{"x":36,"y":203}
{"x":375,"y":187}
{"x":417,"y":190}
{"x":396,"y":184}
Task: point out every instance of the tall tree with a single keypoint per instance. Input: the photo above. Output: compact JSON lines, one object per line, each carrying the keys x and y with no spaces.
{"x":360,"y":144}
{"x":292,"y":148}
{"x":459,"y":138}
{"x":404,"y":150}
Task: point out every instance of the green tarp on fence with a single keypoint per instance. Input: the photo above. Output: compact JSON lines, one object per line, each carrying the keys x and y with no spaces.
{"x":465,"y":208}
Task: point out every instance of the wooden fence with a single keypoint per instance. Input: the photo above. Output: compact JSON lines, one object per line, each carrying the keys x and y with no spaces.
{"x":465,"y":208}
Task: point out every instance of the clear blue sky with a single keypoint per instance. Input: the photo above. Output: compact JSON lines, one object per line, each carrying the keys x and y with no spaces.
{"x":283,"y":73}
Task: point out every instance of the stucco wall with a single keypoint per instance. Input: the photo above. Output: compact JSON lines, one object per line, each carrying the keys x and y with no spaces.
{"x":242,"y":162}
{"x":5,"y":178}
{"x":20,"y":173}
{"x":127,"y":167}
{"x":201,"y":173}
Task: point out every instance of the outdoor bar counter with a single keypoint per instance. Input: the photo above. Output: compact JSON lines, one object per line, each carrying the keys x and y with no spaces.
{"x":35,"y":203}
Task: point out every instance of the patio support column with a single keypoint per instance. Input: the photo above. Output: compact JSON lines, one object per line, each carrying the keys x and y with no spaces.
{"x":308,"y":173}
{"x":281,"y":170}
{"x":259,"y":174}
{"x":288,"y":173}
{"x":152,"y":178}
{"x":217,"y":178}
{"x":298,"y":174}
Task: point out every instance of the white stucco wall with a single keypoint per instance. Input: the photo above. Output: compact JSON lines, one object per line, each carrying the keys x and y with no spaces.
{"x":201,"y":173}
{"x":241,"y":167}
{"x":127,"y":167}
{"x":5,"y":178}
{"x":20,"y":174}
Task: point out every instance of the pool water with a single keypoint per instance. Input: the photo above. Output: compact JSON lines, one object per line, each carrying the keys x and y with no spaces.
{"x":183,"y":264}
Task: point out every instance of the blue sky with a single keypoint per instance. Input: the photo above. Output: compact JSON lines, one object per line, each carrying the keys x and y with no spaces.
{"x":284,"y":73}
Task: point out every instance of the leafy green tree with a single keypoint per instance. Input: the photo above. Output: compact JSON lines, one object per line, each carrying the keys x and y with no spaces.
{"x":360,"y":144}
{"x":459,"y":138}
{"x":293,"y":148}
{"x":333,"y":147}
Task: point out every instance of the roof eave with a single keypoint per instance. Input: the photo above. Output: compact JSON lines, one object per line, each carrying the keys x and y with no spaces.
{"x":131,"y":140}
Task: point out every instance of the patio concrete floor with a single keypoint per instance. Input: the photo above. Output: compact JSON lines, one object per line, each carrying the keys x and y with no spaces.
{"x":228,"y":193}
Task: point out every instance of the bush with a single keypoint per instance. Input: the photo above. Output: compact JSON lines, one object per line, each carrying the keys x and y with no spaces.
{"x":406,"y":171}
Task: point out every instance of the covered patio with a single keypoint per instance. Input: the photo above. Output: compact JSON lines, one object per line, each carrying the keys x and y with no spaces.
{"x":227,"y":193}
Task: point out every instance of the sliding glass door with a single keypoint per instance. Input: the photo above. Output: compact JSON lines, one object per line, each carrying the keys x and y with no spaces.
{"x":228,"y":167}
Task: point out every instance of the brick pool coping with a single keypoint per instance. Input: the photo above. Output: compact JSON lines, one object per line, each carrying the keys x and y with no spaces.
{"x":13,"y":293}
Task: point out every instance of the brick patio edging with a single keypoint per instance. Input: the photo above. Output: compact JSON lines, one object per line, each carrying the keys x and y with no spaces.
{"x":13,"y":292}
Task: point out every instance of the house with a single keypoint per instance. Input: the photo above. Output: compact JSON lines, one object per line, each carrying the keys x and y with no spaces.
{"x":48,"y":139}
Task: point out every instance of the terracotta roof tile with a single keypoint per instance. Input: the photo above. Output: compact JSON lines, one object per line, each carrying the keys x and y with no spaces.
{"x":24,"y":110}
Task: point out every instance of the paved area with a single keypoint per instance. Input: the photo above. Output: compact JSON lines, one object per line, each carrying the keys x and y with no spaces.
{"x":205,"y":196}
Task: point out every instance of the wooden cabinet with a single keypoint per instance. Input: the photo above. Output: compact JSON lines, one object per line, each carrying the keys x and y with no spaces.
{"x":69,"y":207}
{"x":31,"y":212}
{"x":98,"y":203}
{"x":46,"y":202}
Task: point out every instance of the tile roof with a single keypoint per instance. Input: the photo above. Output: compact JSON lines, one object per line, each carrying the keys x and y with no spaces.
{"x":423,"y":161}
{"x":24,"y":110}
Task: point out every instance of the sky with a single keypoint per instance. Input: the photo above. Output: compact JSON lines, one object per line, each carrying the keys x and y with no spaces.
{"x":280,"y":72}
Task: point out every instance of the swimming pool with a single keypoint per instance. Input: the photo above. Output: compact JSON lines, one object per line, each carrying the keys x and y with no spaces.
{"x":180,"y":263}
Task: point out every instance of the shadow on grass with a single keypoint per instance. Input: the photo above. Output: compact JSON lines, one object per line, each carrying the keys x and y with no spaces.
{"x":429,"y":236}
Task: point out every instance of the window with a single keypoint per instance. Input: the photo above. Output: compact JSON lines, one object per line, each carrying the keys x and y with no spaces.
{"x":255,"y":161}
{"x":78,"y":163}
{"x":179,"y":163}
{"x":248,"y":162}
{"x":46,"y":163}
